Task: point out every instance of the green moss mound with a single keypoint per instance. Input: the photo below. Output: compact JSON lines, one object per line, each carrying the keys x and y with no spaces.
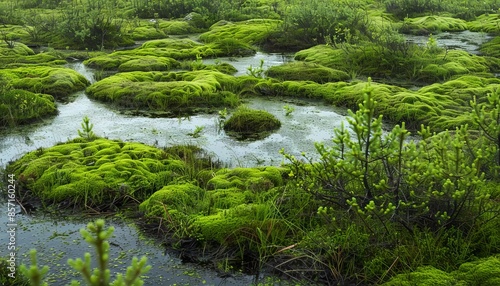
{"x":56,"y":81}
{"x":252,"y":32}
{"x":254,"y":179}
{"x":44,"y":59}
{"x":427,"y":276}
{"x":246,"y":122}
{"x":20,"y":107}
{"x":481,"y":272}
{"x":417,"y":64}
{"x":440,"y":106}
{"x":432,"y":24}
{"x":178,"y":27}
{"x":167,"y":92}
{"x":96,"y":173}
{"x":146,"y":33}
{"x":148,"y":63}
{"x":180,"y":197}
{"x":178,"y":49}
{"x":306,"y":71}
{"x":491,"y":48}
{"x":14,"y":49}
{"x":489,"y":23}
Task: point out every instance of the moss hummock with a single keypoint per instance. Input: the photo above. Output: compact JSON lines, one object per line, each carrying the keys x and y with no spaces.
{"x":56,"y":81}
{"x":489,"y":23}
{"x":255,"y":179}
{"x":432,"y":24}
{"x":484,"y":271}
{"x":306,"y":71}
{"x":252,"y":32}
{"x":179,"y":197}
{"x":418,"y":64}
{"x":168,"y":92}
{"x":169,"y":50}
{"x":21,"y":106}
{"x":249,"y":123}
{"x":95,"y":173}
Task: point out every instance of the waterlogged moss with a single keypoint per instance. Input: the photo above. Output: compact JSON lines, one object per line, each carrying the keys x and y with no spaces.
{"x":250,"y":123}
{"x":433,"y":24}
{"x":178,"y":49}
{"x":96,"y":173}
{"x":169,"y":92}
{"x":252,"y":32}
{"x":489,"y":23}
{"x":148,"y":63}
{"x":20,"y":107}
{"x":56,"y":81}
{"x":306,"y":71}
{"x":180,"y":197}
{"x":178,"y":27}
{"x":491,"y":48}
{"x":254,"y":179}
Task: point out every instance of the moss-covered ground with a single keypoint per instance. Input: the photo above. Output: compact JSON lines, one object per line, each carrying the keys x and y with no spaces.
{"x":167,"y":53}
{"x":56,"y":81}
{"x":172,"y":92}
{"x":315,"y":221}
{"x":21,"y":107}
{"x":246,"y":123}
{"x":96,"y":173}
{"x":432,"y":24}
{"x":252,"y":32}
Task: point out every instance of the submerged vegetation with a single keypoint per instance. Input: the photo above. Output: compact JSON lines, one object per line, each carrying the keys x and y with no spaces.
{"x":374,"y":206}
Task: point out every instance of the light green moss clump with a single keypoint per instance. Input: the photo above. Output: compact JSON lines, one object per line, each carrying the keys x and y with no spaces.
{"x":324,"y":55}
{"x":424,"y":276}
{"x":148,"y":63}
{"x":489,"y":23}
{"x":247,"y":123}
{"x":56,"y":81}
{"x":226,"y":227}
{"x":169,"y":92}
{"x":306,"y":71}
{"x":483,"y":272}
{"x":418,"y":64}
{"x":20,"y":107}
{"x":95,"y":173}
{"x":254,"y":179}
{"x":180,"y":197}
{"x":178,"y":49}
{"x":432,"y":24}
{"x":14,"y":49}
{"x":177,"y":27}
{"x":477,"y":273}
{"x":491,"y":48}
{"x":252,"y":32}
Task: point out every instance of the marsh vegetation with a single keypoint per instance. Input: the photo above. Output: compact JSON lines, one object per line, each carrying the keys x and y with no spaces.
{"x":411,"y":199}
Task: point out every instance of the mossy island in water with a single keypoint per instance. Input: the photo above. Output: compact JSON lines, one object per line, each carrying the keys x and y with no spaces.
{"x":246,"y":123}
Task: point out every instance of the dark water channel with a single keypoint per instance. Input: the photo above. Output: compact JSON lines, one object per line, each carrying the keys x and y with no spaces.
{"x":59,"y":239}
